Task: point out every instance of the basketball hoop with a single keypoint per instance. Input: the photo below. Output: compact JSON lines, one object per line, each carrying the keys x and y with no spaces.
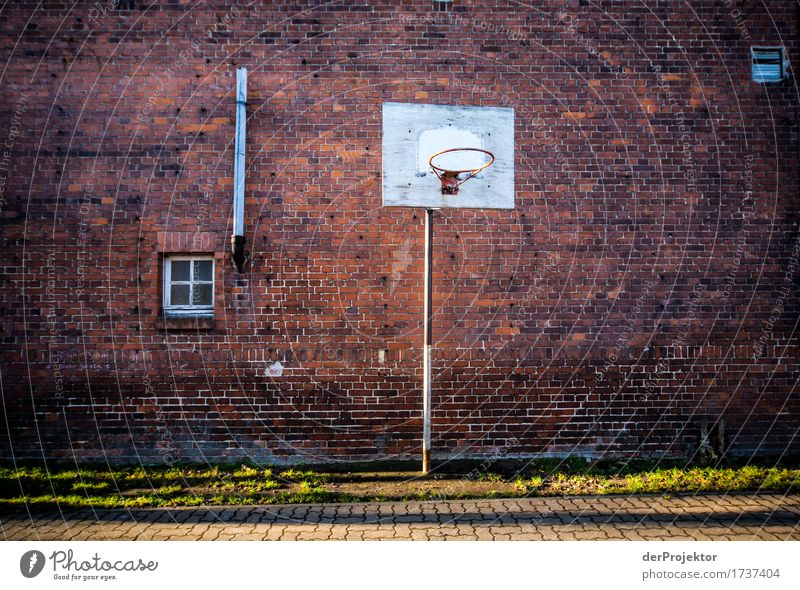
{"x":450,"y":178}
{"x":411,"y":133}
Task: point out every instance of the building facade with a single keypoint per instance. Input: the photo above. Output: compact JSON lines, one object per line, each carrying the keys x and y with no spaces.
{"x":644,"y":290}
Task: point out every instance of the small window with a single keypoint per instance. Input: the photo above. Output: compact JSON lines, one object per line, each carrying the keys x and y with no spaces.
{"x":769,"y":64}
{"x":189,"y":285}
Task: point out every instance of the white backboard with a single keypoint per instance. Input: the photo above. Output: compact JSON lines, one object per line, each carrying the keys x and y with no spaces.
{"x":412,"y":133}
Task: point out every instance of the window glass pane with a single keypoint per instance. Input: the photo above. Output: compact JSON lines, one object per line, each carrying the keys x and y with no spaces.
{"x":180,"y":270}
{"x":202,"y":294}
{"x":202,"y":270}
{"x":179,"y":294}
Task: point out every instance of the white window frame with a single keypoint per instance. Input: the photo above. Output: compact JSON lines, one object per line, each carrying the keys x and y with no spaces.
{"x":187,"y":310}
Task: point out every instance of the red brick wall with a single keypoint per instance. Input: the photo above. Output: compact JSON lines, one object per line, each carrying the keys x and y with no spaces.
{"x":646,"y":282}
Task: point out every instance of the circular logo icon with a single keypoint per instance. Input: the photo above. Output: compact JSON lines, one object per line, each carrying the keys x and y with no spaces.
{"x":31,"y":563}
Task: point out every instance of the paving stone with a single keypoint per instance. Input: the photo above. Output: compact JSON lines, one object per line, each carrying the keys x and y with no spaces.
{"x":377,"y":534}
{"x":211,"y":534}
{"x":702,"y":517}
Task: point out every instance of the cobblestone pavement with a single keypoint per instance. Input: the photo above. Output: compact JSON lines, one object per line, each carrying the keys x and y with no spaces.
{"x":701,"y":517}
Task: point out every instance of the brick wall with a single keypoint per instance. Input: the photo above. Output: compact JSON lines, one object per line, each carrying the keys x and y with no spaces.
{"x":646,"y":283}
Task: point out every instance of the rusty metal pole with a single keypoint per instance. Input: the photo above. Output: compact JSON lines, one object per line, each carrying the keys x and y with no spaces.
{"x":426,"y":363}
